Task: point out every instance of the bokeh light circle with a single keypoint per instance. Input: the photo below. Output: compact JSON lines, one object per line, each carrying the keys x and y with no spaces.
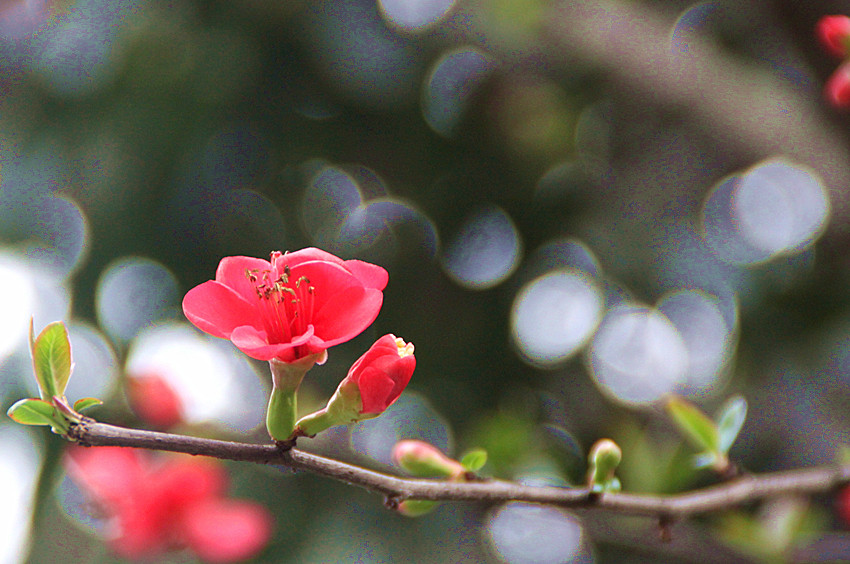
{"x":214,"y":381}
{"x":414,"y":15}
{"x":637,"y":355}
{"x":410,"y":417}
{"x":450,"y":87}
{"x":485,"y":250}
{"x":19,"y":471}
{"x":554,"y":315}
{"x":524,"y":533}
{"x":134,"y":293}
{"x":707,"y":333}
{"x":776,"y":207}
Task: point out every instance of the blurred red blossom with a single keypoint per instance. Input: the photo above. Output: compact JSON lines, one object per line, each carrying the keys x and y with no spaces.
{"x":837,"y":88}
{"x":154,"y":400}
{"x":154,"y":505}
{"x":293,"y":306}
{"x":833,"y":33}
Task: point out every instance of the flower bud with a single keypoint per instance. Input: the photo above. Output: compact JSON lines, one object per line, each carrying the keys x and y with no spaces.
{"x":605,"y":456}
{"x":833,"y":32}
{"x":373,"y":383}
{"x":423,"y":460}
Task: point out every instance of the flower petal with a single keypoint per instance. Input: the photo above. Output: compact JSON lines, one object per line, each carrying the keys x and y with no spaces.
{"x":346,"y":314}
{"x":231,"y":272}
{"x":223,"y":530}
{"x":376,"y":388}
{"x":216,"y":309}
{"x":254,"y":342}
{"x":371,"y":275}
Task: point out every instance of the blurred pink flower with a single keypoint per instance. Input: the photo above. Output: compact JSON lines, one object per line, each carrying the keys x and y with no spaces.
{"x":293,"y":306}
{"x":837,"y":88}
{"x":154,"y":400}
{"x":833,"y":33}
{"x":154,"y":506}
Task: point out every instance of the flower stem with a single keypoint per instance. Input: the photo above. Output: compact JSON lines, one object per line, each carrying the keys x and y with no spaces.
{"x":283,"y":404}
{"x":280,"y":418}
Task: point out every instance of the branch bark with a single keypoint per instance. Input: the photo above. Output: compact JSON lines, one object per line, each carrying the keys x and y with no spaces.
{"x":741,"y":490}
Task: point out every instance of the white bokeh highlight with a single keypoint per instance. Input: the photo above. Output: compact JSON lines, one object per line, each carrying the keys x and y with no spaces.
{"x":707,"y":334}
{"x":484,"y":251}
{"x":774,"y":208}
{"x":637,"y":355}
{"x":134,"y":293}
{"x":19,"y":471}
{"x":414,"y":15}
{"x":524,"y":533}
{"x":554,"y":315}
{"x":214,"y":381}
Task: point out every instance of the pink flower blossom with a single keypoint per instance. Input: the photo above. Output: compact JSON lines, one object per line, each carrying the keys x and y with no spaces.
{"x":154,"y":400}
{"x":154,"y":506}
{"x":295,"y":305}
{"x":833,"y":33}
{"x":837,"y":88}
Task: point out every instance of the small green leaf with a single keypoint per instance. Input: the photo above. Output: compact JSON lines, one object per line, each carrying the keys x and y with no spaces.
{"x":51,"y":359}
{"x":730,"y":419}
{"x":474,"y":460}
{"x":694,"y":424}
{"x":86,"y":403}
{"x":33,"y":411}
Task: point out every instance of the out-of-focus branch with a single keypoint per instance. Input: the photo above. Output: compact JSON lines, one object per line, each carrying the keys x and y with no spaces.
{"x":735,"y":492}
{"x":742,"y":106}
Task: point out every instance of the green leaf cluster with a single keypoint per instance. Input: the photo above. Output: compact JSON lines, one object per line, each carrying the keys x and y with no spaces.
{"x":713,"y":437}
{"x":52,"y":365}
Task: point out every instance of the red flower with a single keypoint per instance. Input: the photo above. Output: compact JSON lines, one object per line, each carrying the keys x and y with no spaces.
{"x":297,"y":305}
{"x":153,"y":507}
{"x":837,"y":88}
{"x":833,"y":33}
{"x":382,"y":373}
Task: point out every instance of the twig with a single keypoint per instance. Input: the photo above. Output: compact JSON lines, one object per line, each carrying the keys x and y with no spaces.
{"x":741,"y":490}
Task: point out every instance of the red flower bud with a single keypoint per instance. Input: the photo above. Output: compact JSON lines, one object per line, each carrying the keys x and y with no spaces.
{"x":373,"y":383}
{"x":382,"y":373}
{"x":833,"y":33}
{"x":837,"y":88}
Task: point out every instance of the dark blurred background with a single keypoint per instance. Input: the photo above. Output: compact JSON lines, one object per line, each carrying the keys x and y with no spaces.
{"x":583,"y":206}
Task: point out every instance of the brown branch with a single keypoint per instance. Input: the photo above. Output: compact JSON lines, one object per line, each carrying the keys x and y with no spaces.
{"x":738,"y":491}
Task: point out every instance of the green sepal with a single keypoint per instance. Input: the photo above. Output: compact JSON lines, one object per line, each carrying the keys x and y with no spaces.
{"x":613,"y":485}
{"x":474,"y":460}
{"x":416,"y":507}
{"x":51,"y":359}
{"x":86,"y":403}
{"x":730,"y":420}
{"x":694,"y":424}
{"x":34,"y":411}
